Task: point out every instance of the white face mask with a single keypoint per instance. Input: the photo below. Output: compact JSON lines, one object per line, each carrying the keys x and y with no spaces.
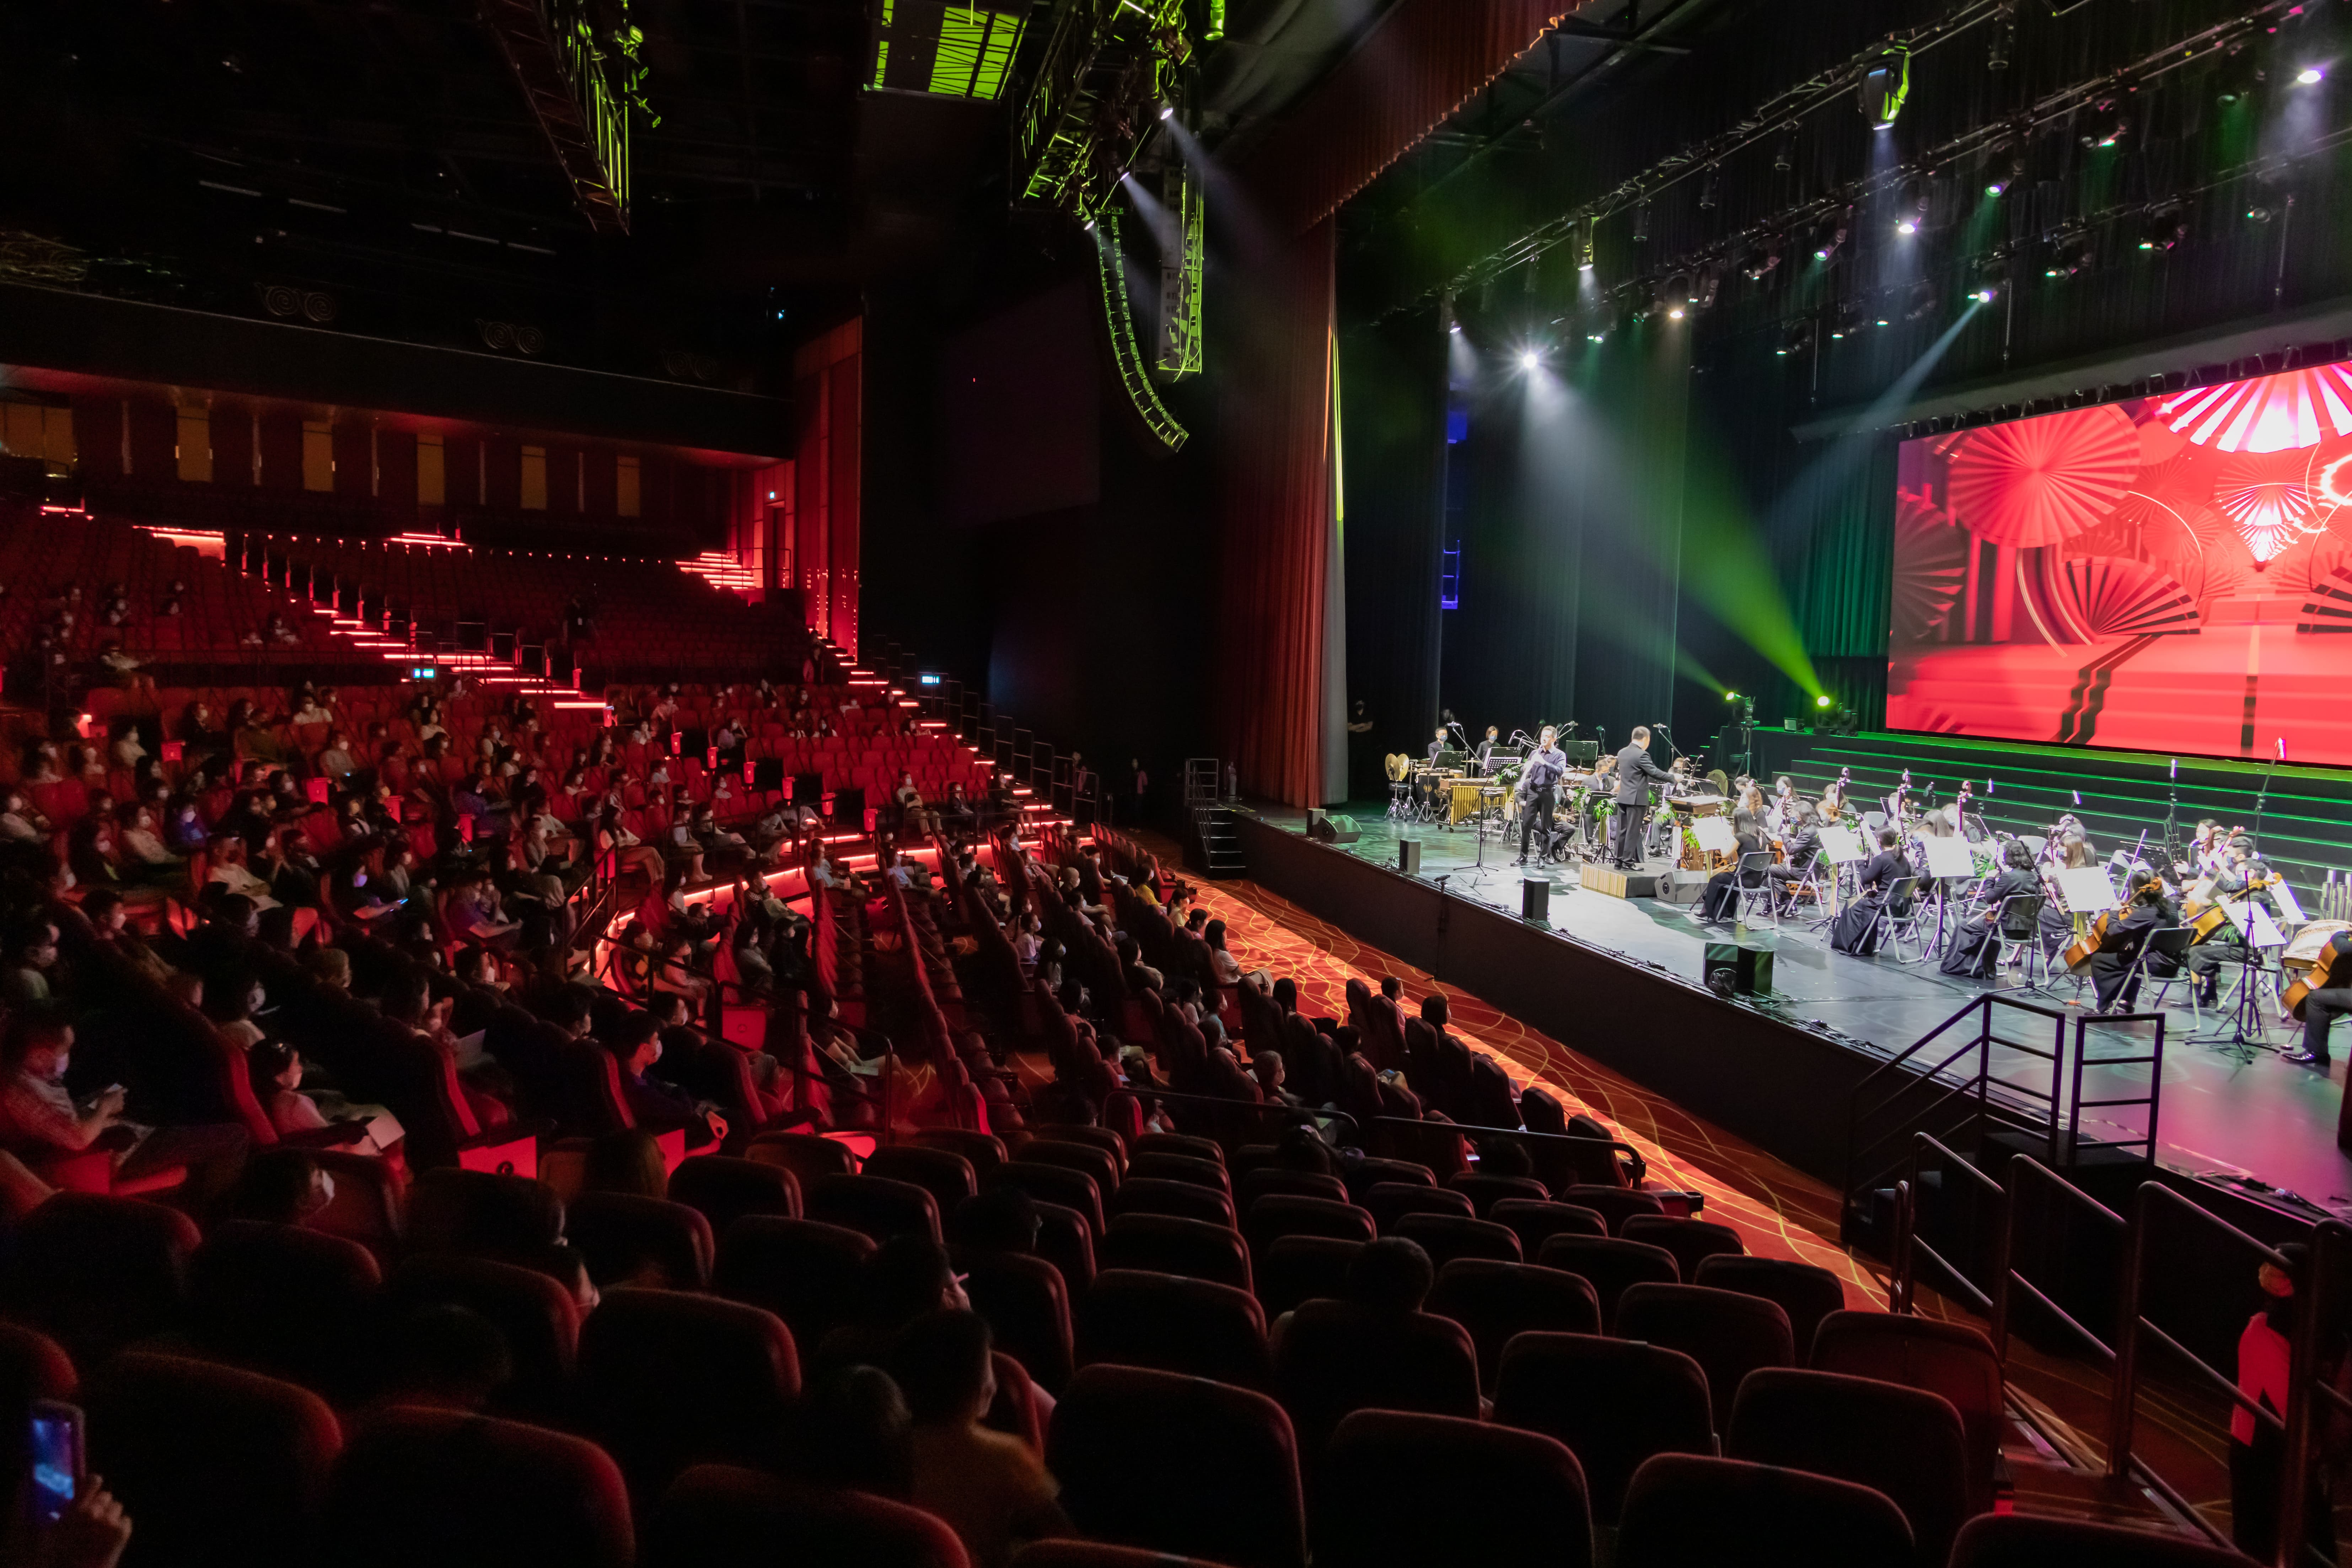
{"x":63,"y":1062}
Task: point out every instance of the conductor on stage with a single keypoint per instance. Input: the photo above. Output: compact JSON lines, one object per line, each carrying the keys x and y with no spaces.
{"x":1636,"y":774}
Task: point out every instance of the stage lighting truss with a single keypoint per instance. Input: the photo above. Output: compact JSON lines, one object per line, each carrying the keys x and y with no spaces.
{"x":1125,"y":353}
{"x":1885,"y":83}
{"x":2165,"y":229}
{"x":2071,"y":254}
{"x":1179,"y":273}
{"x":1107,"y":69}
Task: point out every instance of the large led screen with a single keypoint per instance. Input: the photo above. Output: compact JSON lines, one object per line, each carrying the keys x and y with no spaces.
{"x":2168,"y":574}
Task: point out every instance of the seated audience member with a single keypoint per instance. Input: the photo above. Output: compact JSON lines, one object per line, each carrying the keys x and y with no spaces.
{"x":908,"y":1277}
{"x":988,"y":1485}
{"x":628,"y":1162}
{"x":277,"y":1072}
{"x":660,"y":1105}
{"x":446,"y":1357}
{"x":40,"y":1119}
{"x":853,"y":1431}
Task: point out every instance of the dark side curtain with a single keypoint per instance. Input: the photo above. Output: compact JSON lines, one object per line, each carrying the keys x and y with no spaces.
{"x":1836,"y":523}
{"x":1392,"y":444}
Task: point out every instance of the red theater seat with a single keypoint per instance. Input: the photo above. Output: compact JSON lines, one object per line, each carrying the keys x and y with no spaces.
{"x":1611,"y":1265}
{"x":294,"y":1303}
{"x":1402,"y":1491}
{"x":1298,"y":1269}
{"x":415,"y":1486}
{"x":1171,"y":1244}
{"x":1806,"y":1291}
{"x":1497,"y":1300}
{"x":1682,"y":1509}
{"x":723,"y":1189}
{"x":1904,"y":1442}
{"x":1730,"y":1334}
{"x":1390,"y":1202}
{"x":669,"y":1380}
{"x":1132,"y":1318}
{"x":805,"y":1271}
{"x":538,"y":1317}
{"x":1336,"y":1357}
{"x":716,"y":1515}
{"x":1613,"y":1403}
{"x":949,"y":1177}
{"x":1446,"y":1236}
{"x":96,"y":1272}
{"x":1160,"y":1195}
{"x":1692,"y":1241}
{"x":1027,"y":1305}
{"x":628,"y":1239}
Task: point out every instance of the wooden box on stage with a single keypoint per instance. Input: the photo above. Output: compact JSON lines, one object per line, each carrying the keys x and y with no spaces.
{"x":1620,"y":884}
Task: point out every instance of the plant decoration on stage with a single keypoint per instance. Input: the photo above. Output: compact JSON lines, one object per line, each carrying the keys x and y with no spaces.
{"x":2159,"y":574}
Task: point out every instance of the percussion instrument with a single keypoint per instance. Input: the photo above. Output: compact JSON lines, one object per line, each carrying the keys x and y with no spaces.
{"x":2310,"y":939}
{"x":2314,"y":978}
{"x":1464,"y":798}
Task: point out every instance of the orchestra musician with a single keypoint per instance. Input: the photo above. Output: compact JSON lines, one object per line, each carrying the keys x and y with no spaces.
{"x":2244,"y":878}
{"x":1748,"y":815}
{"x":1492,"y":753}
{"x":2208,"y":852}
{"x":1801,"y":845}
{"x":1897,"y":799}
{"x":1973,"y":948}
{"x":1832,"y":807}
{"x":1437,"y":745}
{"x":1858,"y":928}
{"x":1539,"y":793}
{"x":1636,"y":774}
{"x":1719,"y":900}
{"x":2322,"y":1006}
{"x":1776,"y":810}
{"x":2149,"y":912}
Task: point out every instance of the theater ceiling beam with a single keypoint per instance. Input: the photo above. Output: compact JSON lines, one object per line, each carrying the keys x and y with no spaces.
{"x":586,"y":123}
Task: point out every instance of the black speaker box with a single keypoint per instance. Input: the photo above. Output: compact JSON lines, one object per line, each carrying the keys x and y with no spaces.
{"x":1408,"y":856}
{"x":1535,"y":898}
{"x":1326,"y":828}
{"x":1733,"y":969}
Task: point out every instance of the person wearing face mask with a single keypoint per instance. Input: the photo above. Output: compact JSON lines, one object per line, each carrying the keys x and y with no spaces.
{"x":657,"y":1104}
{"x":19,"y":823}
{"x":143,"y":853}
{"x":41,"y":1122}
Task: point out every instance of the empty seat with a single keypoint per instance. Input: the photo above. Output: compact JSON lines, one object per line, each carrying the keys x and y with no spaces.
{"x":1906,"y":1442}
{"x":294,"y":1303}
{"x":1103,"y":1138}
{"x":1196,"y":1327}
{"x":1612,"y":1266}
{"x":1298,"y":1268}
{"x":1613,"y":1403}
{"x":1283,"y":1214}
{"x":1067,"y":1242}
{"x":1051,"y":1183}
{"x":1366,"y":1174}
{"x":878,"y":1206}
{"x":1806,"y":1291}
{"x":1446,"y":1236}
{"x":627,"y":1239}
{"x":807,"y":1155}
{"x":1485,"y":1192}
{"x":466,"y":1491}
{"x":1182,"y":1143}
{"x":1097,"y":1554}
{"x":2020,"y":1541}
{"x":1300,"y":1184}
{"x":1337,"y":1357}
{"x":1099,"y":1163}
{"x":805,"y":1271}
{"x":537,"y":1317}
{"x":1954,"y":1359}
{"x":1186,"y":1200}
{"x":1615,"y":1205}
{"x":1404,"y":1491}
{"x":482,"y":1212}
{"x":1692,"y":1241}
{"x":1390,"y":1202}
{"x":1179,"y":1464}
{"x":984,"y":1150}
{"x":946,"y":1174}
{"x":1027,"y":1307}
{"x":1167,"y":1244}
{"x":1172,"y":1167}
{"x":95,"y":1272}
{"x":723,"y":1189}
{"x":214,"y":1464}
{"x":715,"y":1515}
{"x":1536,"y":1223}
{"x":1495,"y":1301}
{"x":669,"y":1380}
{"x":1730,"y":1334}
{"x":1683,"y":1508}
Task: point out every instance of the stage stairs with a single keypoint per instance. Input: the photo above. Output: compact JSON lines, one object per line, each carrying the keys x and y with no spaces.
{"x":1213,"y":847}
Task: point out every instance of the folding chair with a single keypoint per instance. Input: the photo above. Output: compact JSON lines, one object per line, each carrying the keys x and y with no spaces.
{"x":1896,"y":929}
{"x":2017,"y":937}
{"x":1756,"y":864}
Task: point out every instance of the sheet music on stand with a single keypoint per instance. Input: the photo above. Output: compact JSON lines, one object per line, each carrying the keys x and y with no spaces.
{"x":1841,"y":846}
{"x":1949,"y":858}
{"x":2086,"y":890}
{"x":1714,"y":835}
{"x":2253,"y":920}
{"x":2290,"y":907}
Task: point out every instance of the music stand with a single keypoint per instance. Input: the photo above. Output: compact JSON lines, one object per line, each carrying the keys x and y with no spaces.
{"x":1948,"y":860}
{"x":2256,"y":931}
{"x":1841,"y":847}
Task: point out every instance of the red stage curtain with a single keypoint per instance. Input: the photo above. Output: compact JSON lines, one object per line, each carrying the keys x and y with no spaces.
{"x":1413,"y":70}
{"x":1277,"y":523}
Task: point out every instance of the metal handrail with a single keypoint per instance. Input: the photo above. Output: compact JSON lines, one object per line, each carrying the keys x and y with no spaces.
{"x":1902,"y":1287}
{"x":1291,"y":1115}
{"x":2331,"y":1254}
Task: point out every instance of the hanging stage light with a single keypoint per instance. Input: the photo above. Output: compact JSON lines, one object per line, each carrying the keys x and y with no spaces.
{"x":2071,"y":257}
{"x":1642,"y":222}
{"x":2165,"y":229}
{"x":1710,"y":187}
{"x":1796,"y":338}
{"x":1784,"y":151}
{"x":2004,"y":37}
{"x":1885,"y":83}
{"x":1911,"y":208}
{"x":1580,"y":243}
{"x":1829,"y":233}
{"x":1991,"y":277}
{"x":1758,"y":263}
{"x":2003,"y":174}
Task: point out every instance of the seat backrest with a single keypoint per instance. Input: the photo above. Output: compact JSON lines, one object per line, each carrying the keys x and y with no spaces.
{"x":804,"y":1155}
{"x":1098,"y":1555}
{"x":1400,"y":1490}
{"x":1279,"y":1214}
{"x":1537,"y":1223}
{"x":482,"y":1212}
{"x":1612,"y":1402}
{"x":1806,"y":1291}
{"x":1904,"y":1442}
{"x":1103,"y":1138}
{"x":1683,"y":1508}
{"x":1134,"y":1317}
{"x":535,"y":1314}
{"x":1296,"y":1268}
{"x":1954,"y":1359}
{"x":95,"y":1272}
{"x":295,"y":1303}
{"x":1171,"y":1244}
{"x":1337,"y":1357}
{"x":984,"y":1150}
{"x":32,"y":1366}
{"x":627,"y":1239}
{"x":1728,"y":1333}
{"x":881,"y":1206}
{"x":1138,"y":1451}
{"x":946,"y":1174}
{"x":1104,"y":1166}
{"x":1161,"y":1195}
{"x":1615,"y":1205}
{"x":1372,"y":1171}
{"x":1182,"y":1143}
{"x":726,"y":1513}
{"x":1054,"y":1183}
{"x":418,"y":1486}
{"x":1446,"y":1236}
{"x":1168,"y":1165}
{"x":1064,"y":1240}
{"x":1485,"y":1192}
{"x":723,"y":1189}
{"x":1611,"y":1265}
{"x":1027,"y":1305}
{"x":1692,"y":1241}
{"x":1390,"y":1202}
{"x":215,"y":1465}
{"x":669,"y":1380}
{"x":1273,"y":1179}
{"x":1496,"y":1301}
{"x":806,"y":1272}
{"x":2024,"y":1541}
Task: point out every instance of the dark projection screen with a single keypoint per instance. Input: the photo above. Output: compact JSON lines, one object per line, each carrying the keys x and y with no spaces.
{"x":2165,"y":574}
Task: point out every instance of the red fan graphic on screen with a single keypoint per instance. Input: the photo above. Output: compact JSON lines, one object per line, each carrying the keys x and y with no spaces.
{"x":2269,"y":414}
{"x":1931,"y":565}
{"x":2268,"y":496}
{"x":2042,"y":482}
{"x":2101,"y":598}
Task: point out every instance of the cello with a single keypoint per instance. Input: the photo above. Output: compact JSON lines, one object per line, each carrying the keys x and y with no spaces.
{"x":2315,"y":978}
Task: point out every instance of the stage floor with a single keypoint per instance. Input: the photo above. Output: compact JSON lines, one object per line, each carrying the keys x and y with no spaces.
{"x":2265,"y":1117}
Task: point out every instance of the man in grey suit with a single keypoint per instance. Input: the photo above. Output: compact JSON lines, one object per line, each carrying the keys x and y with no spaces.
{"x":1636,"y":774}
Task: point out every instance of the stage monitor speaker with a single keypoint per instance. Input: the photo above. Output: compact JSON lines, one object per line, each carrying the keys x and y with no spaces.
{"x":1535,"y":898}
{"x":1324,"y":827}
{"x":1408,"y":856}
{"x":1735,"y":969}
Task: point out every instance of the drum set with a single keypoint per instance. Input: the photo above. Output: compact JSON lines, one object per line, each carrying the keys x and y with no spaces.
{"x":1449,"y":793}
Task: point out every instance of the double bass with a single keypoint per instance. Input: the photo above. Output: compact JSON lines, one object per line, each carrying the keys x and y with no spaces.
{"x":2315,"y":978}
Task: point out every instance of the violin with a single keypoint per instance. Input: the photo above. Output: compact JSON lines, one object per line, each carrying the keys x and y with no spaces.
{"x":2315,"y":978}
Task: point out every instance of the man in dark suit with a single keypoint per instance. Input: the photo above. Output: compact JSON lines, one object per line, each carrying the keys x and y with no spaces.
{"x":1636,"y":774}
